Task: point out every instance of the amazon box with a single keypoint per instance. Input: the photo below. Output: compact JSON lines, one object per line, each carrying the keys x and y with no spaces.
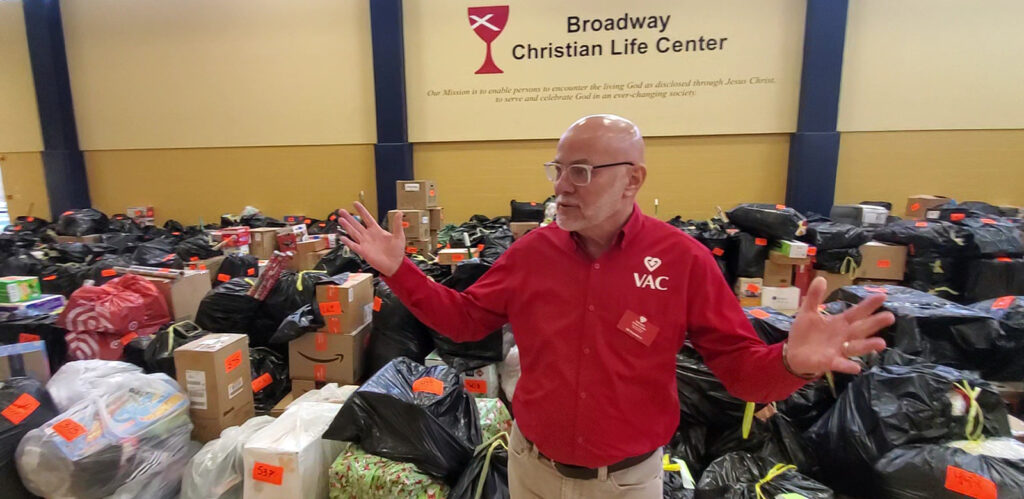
{"x":415,"y":194}
{"x":348,"y":306}
{"x":919,"y":205}
{"x":328,"y":357}
{"x":214,"y":370}
{"x":416,"y":224}
{"x":882,"y":261}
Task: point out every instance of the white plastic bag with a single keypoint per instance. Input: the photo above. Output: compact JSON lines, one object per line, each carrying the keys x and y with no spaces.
{"x":288,"y":458}
{"x":216,"y":470}
{"x":331,"y":393}
{"x":130,"y":442}
{"x":509,"y":371}
{"x":77,"y":380}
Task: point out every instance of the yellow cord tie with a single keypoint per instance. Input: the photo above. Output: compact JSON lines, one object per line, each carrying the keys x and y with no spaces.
{"x":975,"y":418}
{"x":849,"y":267}
{"x":776,"y":470}
{"x":677,"y":466}
{"x":748,"y":419}
{"x":496,"y":441}
{"x":298,"y":282}
{"x":831,"y":380}
{"x":942,"y":288}
{"x":937,"y":267}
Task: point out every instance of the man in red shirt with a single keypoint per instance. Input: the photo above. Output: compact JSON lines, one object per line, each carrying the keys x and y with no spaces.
{"x":600,"y":302}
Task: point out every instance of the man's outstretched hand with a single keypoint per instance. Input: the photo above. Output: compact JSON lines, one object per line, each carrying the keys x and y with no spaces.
{"x":819,"y":343}
{"x":383,"y":250}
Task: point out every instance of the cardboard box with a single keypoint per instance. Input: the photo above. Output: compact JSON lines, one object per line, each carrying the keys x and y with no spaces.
{"x":920,"y":204}
{"x":834,"y":281}
{"x":750,"y":301}
{"x":183,"y":294}
{"x":521,"y":228}
{"x":215,"y":372}
{"x":791,"y":249}
{"x":419,"y":247}
{"x":455,"y":255}
{"x":482,"y":382}
{"x":749,"y":287}
{"x":264,"y":242}
{"x":786,"y":300}
{"x":415,"y":194}
{"x":415,"y":222}
{"x":242,"y":236}
{"x":307,"y":254}
{"x":777,"y":275}
{"x":436,"y":218}
{"x":328,"y":357}
{"x":45,"y":304}
{"x":882,"y":261}
{"x":346,"y":307}
{"x":25,"y":359}
{"x":17,"y":289}
{"x":859,"y":215}
{"x":91,"y":239}
{"x":781,"y":259}
{"x":211,"y":265}
{"x":137,"y":212}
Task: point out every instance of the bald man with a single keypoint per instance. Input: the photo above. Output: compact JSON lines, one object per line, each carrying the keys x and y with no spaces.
{"x":600,"y":302}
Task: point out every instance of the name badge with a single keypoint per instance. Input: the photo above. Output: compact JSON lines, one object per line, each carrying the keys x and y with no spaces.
{"x":638,"y":327}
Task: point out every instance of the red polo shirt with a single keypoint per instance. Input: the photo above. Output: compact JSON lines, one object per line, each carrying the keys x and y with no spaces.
{"x":590,"y":394}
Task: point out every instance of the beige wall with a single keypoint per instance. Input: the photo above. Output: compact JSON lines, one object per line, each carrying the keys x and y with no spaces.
{"x":210,"y":73}
{"x":689,"y":175}
{"x":24,"y":184}
{"x":19,"y":120}
{"x":980,"y":165}
{"x":186,"y":184}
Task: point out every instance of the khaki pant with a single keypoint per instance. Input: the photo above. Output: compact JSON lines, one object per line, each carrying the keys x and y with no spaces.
{"x":532,"y":476}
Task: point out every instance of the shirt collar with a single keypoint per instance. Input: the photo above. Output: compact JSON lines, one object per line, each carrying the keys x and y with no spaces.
{"x":627,"y":234}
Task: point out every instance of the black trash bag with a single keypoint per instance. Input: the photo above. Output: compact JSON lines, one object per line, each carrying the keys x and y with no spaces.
{"x":703,"y":400}
{"x":270,"y":381}
{"x":238,"y":266}
{"x":82,"y":222}
{"x":158,"y":253}
{"x":31,"y":224}
{"x":892,"y":406}
{"x":938,"y":330}
{"x":954,"y":212}
{"x":135,"y":350}
{"x":471,"y":354}
{"x":228,"y":221}
{"x":316,"y":228}
{"x":152,"y":232}
{"x":73,"y":252}
{"x":746,"y":255}
{"x":21,"y":263}
{"x":834,"y":235}
{"x":122,"y":243}
{"x":259,"y":221}
{"x":717,"y":241}
{"x":838,"y":261}
{"x":990,"y":238}
{"x":396,"y":332}
{"x":986,"y":279}
{"x":123,"y":226}
{"x":17,"y":397}
{"x":527,"y":211}
{"x":776,"y":439}
{"x":689,"y":444}
{"x":339,"y":260}
{"x":495,"y":244}
{"x":306,"y":319}
{"x":62,"y":279}
{"x":736,"y":475}
{"x":431,"y":268}
{"x":415,"y":414}
{"x":935,"y":275}
{"x":490,"y":464}
{"x":924,"y":238}
{"x":673,"y":487}
{"x":196,"y":248}
{"x":18,"y":328}
{"x":974,"y":469}
{"x":768,"y":220}
{"x":770,"y":325}
{"x":173,"y":226}
{"x":290,"y":293}
{"x":1009,"y":311}
{"x":228,"y":308}
{"x":102,"y":271}
{"x":159,"y":353}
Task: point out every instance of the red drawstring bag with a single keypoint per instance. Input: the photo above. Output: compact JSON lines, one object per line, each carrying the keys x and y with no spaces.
{"x":153,"y":301}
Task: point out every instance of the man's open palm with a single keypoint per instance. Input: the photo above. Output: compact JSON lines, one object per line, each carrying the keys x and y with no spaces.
{"x":383,"y":250}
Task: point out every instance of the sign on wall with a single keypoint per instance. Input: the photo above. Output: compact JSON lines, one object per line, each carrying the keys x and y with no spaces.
{"x":487,"y":70}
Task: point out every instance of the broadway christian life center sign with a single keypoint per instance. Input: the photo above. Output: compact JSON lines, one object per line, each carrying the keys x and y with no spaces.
{"x":528,"y":69}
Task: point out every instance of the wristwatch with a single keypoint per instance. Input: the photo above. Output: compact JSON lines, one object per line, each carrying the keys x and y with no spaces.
{"x":785,"y":363}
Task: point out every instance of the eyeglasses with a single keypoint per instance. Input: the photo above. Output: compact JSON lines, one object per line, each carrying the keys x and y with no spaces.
{"x":579,"y":174}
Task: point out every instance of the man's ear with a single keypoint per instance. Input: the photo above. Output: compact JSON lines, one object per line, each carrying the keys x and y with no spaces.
{"x":635,"y":178}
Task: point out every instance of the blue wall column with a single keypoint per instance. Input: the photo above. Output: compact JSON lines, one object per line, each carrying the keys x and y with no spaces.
{"x":63,"y":164}
{"x":393,"y":152}
{"x":814,"y":148}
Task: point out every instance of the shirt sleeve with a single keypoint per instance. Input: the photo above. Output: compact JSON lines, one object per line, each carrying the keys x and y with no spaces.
{"x":462,"y":316}
{"x":719,"y":330}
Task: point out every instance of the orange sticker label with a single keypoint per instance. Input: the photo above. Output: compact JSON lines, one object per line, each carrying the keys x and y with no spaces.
{"x":30,"y":219}
{"x":433,"y":192}
{"x":267,"y":473}
{"x":921,"y":224}
{"x":884,"y":264}
{"x":988,"y":221}
{"x":915,"y":207}
{"x":126,"y":339}
{"x":233,"y":361}
{"x":202,"y":266}
{"x":320,"y":342}
{"x":321,"y":224}
{"x":68,"y":429}
{"x":761,"y":241}
{"x":780,"y":207}
{"x":50,"y":278}
{"x":334,"y":324}
{"x":17,"y":227}
{"x":108,"y":273}
{"x":26,"y":337}
{"x":261,"y":382}
{"x":320,"y":372}
{"x":223,"y":277}
{"x":760,"y":314}
{"x":969,"y":484}
{"x":1002,"y":303}
{"x":67,"y":212}
{"x":812,"y":250}
{"x":475,"y":386}
{"x":330,"y":308}
{"x":168,"y":258}
{"x":405,"y":225}
{"x":429,"y":385}
{"x":308,"y":221}
{"x":412,"y":250}
{"x":875,"y":289}
{"x":1004,"y":259}
{"x":376,"y":303}
{"x":718,"y":251}
{"x":250,"y":272}
{"x":20,"y":409}
{"x":458,"y":257}
{"x":479,"y":247}
{"x":194,"y":259}
{"x":956,"y":217}
{"x":753,"y":288}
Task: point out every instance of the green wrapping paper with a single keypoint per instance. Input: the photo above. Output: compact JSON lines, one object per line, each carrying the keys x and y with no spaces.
{"x":357,"y":474}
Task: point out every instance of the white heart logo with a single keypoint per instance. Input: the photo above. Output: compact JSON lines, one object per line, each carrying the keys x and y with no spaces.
{"x":643,"y":319}
{"x":652,"y":263}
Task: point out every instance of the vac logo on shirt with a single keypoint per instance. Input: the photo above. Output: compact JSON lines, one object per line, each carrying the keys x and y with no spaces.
{"x":649,"y":280}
